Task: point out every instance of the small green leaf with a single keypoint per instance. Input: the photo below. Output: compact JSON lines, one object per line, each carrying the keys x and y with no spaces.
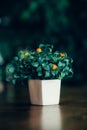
{"x":50,"y":65}
{"x":39,"y":73}
{"x":47,"y":74}
{"x":66,"y":61}
{"x":43,"y":65}
{"x":41,"y":45}
{"x":46,"y":67}
{"x":56,"y":72}
{"x":56,"y":53}
{"x":66,"y":69}
{"x":35,"y":64}
{"x":62,"y":74}
{"x":55,"y":59}
{"x":16,"y":76}
{"x":70,"y":72}
{"x":41,"y":59}
{"x":50,"y":49}
{"x":39,"y":69}
{"x":60,"y":64}
{"x":47,"y":58}
{"x":16,"y":58}
{"x":53,"y":73}
{"x":71,"y":60}
{"x":22,"y":56}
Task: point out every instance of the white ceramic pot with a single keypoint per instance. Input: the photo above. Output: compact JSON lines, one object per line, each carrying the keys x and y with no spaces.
{"x":44,"y":92}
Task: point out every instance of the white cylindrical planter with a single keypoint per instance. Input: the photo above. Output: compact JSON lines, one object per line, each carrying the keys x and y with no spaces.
{"x":44,"y":92}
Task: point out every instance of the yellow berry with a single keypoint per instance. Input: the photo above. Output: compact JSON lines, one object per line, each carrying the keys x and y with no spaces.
{"x":26,"y":53}
{"x":39,"y":50}
{"x":62,"y":54}
{"x":54,"y":67}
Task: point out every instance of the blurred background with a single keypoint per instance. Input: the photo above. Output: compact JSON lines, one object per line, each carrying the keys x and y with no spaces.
{"x":63,"y":23}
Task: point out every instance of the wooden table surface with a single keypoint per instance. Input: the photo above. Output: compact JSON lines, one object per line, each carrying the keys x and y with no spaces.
{"x":17,"y":114}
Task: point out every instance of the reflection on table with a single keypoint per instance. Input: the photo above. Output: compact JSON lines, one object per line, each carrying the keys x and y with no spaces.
{"x":17,"y":113}
{"x":45,"y":118}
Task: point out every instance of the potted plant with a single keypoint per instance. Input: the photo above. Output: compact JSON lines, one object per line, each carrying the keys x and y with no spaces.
{"x":44,"y":69}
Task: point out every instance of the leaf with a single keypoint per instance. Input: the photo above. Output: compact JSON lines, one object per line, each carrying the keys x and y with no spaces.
{"x":21,"y":56}
{"x":70,"y":73}
{"x":53,"y":73}
{"x":16,"y":58}
{"x":35,"y":64}
{"x":39,"y":74}
{"x":60,"y":64}
{"x":49,"y":46}
{"x":66,"y":61}
{"x":47,"y":58}
{"x":46,"y":67}
{"x":55,"y":59}
{"x":16,"y":76}
{"x":56,"y":53}
{"x":39,"y":69}
{"x":66,"y":69}
{"x":62,"y":74}
{"x":43,"y":65}
{"x":41,"y":45}
{"x":56,"y":72}
{"x":71,"y":60}
{"x":47,"y":74}
{"x":50,"y":49}
{"x":41,"y":59}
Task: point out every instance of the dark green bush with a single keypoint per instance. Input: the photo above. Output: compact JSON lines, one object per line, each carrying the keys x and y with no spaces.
{"x":42,"y":63}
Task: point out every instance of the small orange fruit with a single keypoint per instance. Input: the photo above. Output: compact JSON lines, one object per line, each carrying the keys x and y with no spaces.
{"x":62,"y":54}
{"x":26,"y":53}
{"x":54,"y":67}
{"x":39,"y":50}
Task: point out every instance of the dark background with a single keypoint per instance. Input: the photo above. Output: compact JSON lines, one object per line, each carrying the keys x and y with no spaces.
{"x":27,"y":23}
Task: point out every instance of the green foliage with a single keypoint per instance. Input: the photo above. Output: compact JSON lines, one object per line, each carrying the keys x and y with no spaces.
{"x":42,"y":63}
